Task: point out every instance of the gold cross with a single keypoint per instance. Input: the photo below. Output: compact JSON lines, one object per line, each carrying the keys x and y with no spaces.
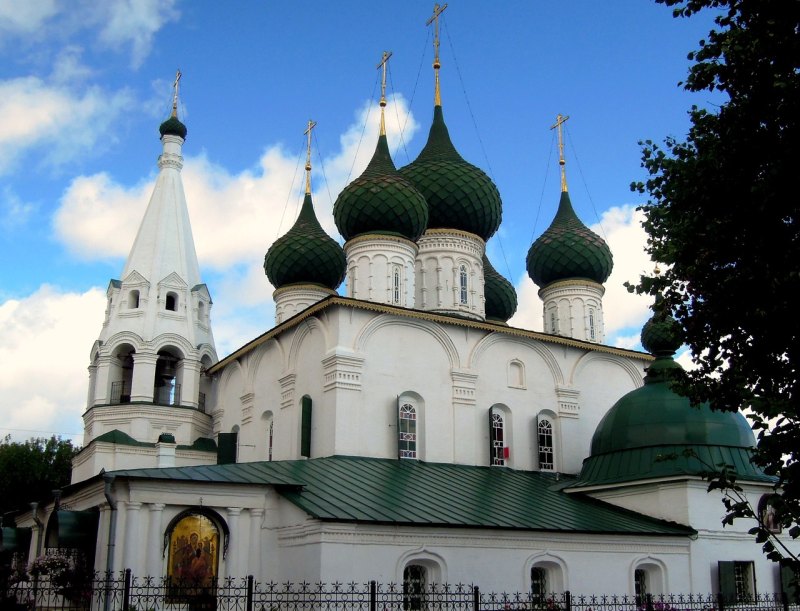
{"x":175,"y":93}
{"x":434,"y":19}
{"x":560,"y":120}
{"x":311,"y":125}
{"x":384,"y":61}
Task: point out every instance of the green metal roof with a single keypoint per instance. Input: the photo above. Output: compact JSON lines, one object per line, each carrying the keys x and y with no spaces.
{"x":406,"y":492}
{"x":459,"y":195}
{"x":568,"y":249}
{"x":173,"y":127}
{"x":305,"y":254}
{"x":381,"y":201}
{"x":501,"y":298}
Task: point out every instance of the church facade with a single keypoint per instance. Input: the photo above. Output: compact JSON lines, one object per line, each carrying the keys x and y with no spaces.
{"x":401,"y":430}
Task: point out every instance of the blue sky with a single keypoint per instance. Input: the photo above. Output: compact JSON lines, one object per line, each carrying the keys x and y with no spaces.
{"x":84,"y":86}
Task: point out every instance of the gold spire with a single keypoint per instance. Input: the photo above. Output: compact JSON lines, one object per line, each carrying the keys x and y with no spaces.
{"x":437,"y":10}
{"x":382,"y":64}
{"x":560,"y":120}
{"x":311,"y":125}
{"x":175,"y":94}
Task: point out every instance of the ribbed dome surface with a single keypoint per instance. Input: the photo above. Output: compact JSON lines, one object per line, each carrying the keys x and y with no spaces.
{"x":173,"y":127}
{"x":568,"y":249}
{"x":653,"y":432}
{"x":501,"y":298}
{"x":381,"y":201}
{"x":459,"y":195}
{"x":305,"y":254}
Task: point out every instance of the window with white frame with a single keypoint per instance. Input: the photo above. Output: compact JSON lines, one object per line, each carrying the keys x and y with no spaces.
{"x":545,"y":444}
{"x":591,"y":324}
{"x":133,"y":300}
{"x":497,"y":444}
{"x":463,"y":278}
{"x":406,"y":430}
{"x":553,"y":322}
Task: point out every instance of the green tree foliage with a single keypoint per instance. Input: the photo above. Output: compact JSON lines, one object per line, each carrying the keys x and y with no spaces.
{"x":722,"y":217}
{"x":30,"y":470}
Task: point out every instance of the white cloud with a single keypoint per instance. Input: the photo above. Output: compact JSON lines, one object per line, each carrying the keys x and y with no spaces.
{"x":623,"y":313}
{"x":134,"y":22}
{"x":45,"y":351}
{"x":54,"y":120}
{"x":25,"y":17}
{"x":235,"y":216}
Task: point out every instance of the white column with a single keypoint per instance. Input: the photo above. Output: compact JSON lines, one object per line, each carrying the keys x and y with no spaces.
{"x":235,"y":548}
{"x":144,"y":377}
{"x":155,"y":542}
{"x":132,"y":552}
{"x":254,"y":556}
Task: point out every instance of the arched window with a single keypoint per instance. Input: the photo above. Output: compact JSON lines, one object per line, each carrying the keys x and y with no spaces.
{"x":591,"y":324}
{"x":406,"y":430}
{"x":201,"y":311}
{"x":269,"y":425}
{"x":133,"y":300}
{"x":516,"y":374}
{"x":172,"y":302}
{"x":648,"y":578}
{"x":553,"y":322}
{"x":497,"y":447}
{"x":396,"y":285}
{"x":193,"y":560}
{"x":547,"y":578}
{"x":545,"y":442}
{"x":415,"y":582}
{"x":463,"y":283}
{"x":766,"y":511}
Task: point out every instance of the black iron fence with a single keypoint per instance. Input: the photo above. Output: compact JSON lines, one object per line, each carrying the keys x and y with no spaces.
{"x":124,"y":592}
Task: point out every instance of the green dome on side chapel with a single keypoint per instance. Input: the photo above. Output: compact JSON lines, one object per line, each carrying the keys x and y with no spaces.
{"x":568,"y":249}
{"x":305,"y":254}
{"x":381,"y":201}
{"x":459,"y":195}
{"x":173,"y":127}
{"x":653,"y":432}
{"x":501,"y":298}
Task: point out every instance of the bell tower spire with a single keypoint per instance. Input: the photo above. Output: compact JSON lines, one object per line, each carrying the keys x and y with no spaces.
{"x":156,"y":339}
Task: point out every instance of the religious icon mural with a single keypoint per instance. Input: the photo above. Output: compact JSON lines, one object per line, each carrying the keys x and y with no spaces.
{"x":193,"y":556}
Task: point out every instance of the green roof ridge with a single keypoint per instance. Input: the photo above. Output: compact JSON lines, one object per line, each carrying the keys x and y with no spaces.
{"x":568,"y":249}
{"x":305,"y":254}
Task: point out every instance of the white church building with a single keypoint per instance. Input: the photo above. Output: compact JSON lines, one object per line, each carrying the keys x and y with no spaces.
{"x":391,"y":425}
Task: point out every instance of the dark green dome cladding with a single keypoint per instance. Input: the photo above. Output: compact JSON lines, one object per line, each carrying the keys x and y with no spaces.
{"x":661,"y":335}
{"x":459,"y":195}
{"x":305,"y":254}
{"x":173,"y":127}
{"x":381,"y":201}
{"x":568,"y":249}
{"x":501,"y":298}
{"x":655,"y":415}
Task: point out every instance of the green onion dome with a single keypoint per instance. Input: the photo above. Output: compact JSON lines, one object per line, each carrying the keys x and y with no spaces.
{"x":173,"y":127}
{"x":501,"y":298}
{"x":459,"y":195}
{"x":568,"y":249}
{"x":654,"y":432}
{"x":305,"y":254}
{"x":381,"y":201}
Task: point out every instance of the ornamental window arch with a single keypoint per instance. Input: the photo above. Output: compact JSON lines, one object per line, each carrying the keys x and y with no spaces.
{"x":546,"y":575}
{"x":648,"y":576}
{"x":516,"y":374}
